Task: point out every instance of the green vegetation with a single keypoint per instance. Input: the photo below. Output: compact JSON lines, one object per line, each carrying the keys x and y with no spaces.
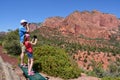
{"x":111,"y":78}
{"x":1,"y":38}
{"x":114,"y":69}
{"x":72,"y":47}
{"x":97,"y":70}
{"x":55,"y":62}
{"x":11,"y":43}
{"x":53,"y":53}
{"x":51,"y":60}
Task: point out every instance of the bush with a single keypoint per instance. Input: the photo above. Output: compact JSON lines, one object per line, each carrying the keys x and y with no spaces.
{"x":11,"y":43}
{"x":111,"y":78}
{"x":0,"y":43}
{"x":55,"y":62}
{"x":12,"y":47}
{"x":97,"y":69}
{"x":91,"y":73}
{"x":1,"y":38}
{"x":114,"y":69}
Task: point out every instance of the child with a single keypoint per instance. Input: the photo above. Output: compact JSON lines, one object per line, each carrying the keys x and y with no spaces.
{"x":29,"y":50}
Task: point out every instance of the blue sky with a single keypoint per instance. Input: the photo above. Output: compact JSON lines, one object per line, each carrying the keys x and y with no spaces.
{"x":12,"y":11}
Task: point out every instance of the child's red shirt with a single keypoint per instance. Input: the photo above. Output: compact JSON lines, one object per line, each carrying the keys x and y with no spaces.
{"x":28,"y":46}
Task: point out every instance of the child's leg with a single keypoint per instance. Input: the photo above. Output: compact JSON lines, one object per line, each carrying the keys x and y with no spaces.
{"x":28,"y":64}
{"x":30,"y":67}
{"x":31,"y":64}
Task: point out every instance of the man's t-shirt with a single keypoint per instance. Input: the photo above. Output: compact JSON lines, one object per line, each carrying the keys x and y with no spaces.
{"x":22,"y":31}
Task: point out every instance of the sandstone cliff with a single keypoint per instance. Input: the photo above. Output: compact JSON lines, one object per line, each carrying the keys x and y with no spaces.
{"x":92,"y":24}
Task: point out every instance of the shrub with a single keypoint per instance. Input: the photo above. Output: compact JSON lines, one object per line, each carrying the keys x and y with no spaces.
{"x":0,"y":43}
{"x":1,"y":38}
{"x":12,"y":47}
{"x":97,"y":69}
{"x":91,"y":73}
{"x":114,"y":69}
{"x":11,"y":43}
{"x":55,"y":62}
{"x":111,"y":78}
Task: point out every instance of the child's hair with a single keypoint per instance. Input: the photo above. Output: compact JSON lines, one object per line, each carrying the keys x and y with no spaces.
{"x":26,"y":36}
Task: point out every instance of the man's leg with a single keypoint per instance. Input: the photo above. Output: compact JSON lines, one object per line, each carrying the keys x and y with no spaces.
{"x":22,"y":58}
{"x":22,"y":54}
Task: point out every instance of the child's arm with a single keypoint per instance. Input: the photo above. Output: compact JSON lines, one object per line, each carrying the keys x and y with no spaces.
{"x":34,"y":42}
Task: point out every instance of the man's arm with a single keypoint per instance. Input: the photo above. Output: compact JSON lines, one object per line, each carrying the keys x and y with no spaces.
{"x":27,"y":28}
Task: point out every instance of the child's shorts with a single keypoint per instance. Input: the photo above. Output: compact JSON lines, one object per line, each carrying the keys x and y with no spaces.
{"x":29,"y":54}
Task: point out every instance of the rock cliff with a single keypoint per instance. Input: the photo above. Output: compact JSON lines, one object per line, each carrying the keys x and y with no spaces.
{"x":92,"y":24}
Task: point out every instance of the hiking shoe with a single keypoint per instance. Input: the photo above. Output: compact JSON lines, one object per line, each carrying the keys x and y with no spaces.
{"x":31,"y":73}
{"x":24,"y":66}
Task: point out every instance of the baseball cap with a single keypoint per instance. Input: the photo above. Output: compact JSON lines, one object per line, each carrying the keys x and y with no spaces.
{"x":22,"y":21}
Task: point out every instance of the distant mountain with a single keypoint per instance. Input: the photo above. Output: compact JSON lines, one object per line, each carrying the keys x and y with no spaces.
{"x":92,"y":24}
{"x":2,"y":33}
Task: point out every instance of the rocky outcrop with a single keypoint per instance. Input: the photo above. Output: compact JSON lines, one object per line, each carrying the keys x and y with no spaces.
{"x":92,"y":24}
{"x":33,"y":27}
{"x":7,"y":71}
{"x":53,"y":22}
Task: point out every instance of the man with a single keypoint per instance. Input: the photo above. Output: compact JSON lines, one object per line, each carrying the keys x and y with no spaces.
{"x":23,"y":29}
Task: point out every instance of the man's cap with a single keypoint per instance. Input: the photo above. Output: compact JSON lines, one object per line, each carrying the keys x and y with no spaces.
{"x":23,"y":21}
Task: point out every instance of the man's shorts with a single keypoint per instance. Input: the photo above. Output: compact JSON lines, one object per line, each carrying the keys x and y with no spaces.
{"x":29,"y":54}
{"x":22,"y":47}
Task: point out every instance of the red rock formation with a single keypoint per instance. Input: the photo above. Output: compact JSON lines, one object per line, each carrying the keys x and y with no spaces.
{"x":53,"y":22}
{"x":33,"y":27}
{"x":91,"y":24}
